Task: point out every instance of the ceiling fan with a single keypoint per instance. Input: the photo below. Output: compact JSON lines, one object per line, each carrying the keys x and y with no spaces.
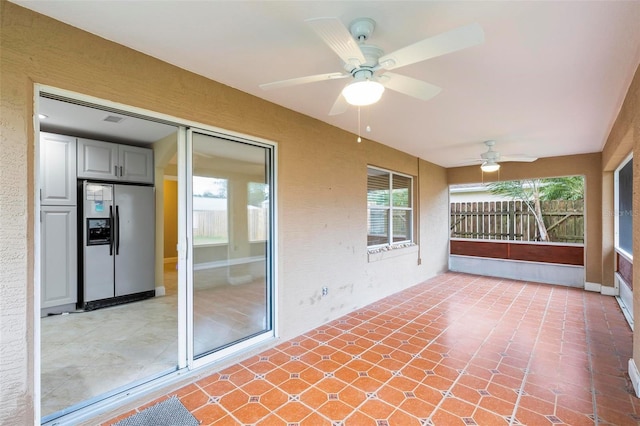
{"x":368,"y":66}
{"x":491,"y":159}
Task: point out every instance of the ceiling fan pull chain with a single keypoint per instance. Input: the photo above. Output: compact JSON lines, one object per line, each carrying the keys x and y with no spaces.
{"x":359,"y":138}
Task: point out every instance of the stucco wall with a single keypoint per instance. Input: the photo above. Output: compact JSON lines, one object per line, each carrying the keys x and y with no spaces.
{"x":624,"y":139}
{"x":321,"y":176}
{"x":588,"y":165}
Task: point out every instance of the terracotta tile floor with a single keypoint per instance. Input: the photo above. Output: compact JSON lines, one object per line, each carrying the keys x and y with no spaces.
{"x":455,"y":350}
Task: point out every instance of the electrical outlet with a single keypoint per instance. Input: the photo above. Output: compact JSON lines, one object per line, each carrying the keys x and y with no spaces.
{"x":325,"y":291}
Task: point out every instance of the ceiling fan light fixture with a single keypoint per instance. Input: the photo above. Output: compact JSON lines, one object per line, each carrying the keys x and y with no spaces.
{"x":490,"y":166}
{"x":363,"y":92}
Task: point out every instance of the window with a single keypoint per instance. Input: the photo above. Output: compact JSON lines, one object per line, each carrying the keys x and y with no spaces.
{"x":258,"y":211}
{"x":389,"y":211}
{"x":210,"y":211}
{"x":624,"y":207}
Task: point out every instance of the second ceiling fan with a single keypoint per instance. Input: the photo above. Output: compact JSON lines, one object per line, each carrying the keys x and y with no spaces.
{"x":369,"y":67}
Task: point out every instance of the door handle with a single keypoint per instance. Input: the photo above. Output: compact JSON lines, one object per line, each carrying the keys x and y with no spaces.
{"x":111,"y":224}
{"x":120,"y":171}
{"x":117,"y":231}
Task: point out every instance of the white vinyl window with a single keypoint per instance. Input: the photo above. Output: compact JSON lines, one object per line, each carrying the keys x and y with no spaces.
{"x":389,"y":208}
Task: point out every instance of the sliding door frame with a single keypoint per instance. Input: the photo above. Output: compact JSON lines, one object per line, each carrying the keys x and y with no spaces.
{"x":186,"y":365}
{"x":270,"y":258}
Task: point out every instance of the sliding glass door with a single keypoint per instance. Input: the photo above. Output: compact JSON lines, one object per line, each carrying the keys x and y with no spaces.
{"x":230,"y":196}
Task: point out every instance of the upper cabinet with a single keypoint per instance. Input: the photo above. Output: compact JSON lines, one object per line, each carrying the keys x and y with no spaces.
{"x":110,"y":161}
{"x":57,"y":170}
{"x":135,"y":164}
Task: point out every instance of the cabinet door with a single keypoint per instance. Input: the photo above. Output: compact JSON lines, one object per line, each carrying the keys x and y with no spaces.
{"x":136,"y":164}
{"x":57,"y":169}
{"x":97,"y":159}
{"x":58,"y":260}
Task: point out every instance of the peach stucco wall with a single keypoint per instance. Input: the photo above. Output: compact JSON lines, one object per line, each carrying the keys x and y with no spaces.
{"x":624,"y":139}
{"x":321,"y":185}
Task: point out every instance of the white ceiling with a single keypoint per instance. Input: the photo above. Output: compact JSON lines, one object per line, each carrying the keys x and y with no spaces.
{"x":549,"y":79}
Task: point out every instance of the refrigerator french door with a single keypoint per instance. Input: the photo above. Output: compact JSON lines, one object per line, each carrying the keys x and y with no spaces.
{"x":118,"y":262}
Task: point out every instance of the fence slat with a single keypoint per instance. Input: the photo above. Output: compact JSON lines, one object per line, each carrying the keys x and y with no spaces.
{"x":512,"y":220}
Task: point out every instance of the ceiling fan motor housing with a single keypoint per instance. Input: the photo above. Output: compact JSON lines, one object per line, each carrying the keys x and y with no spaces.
{"x":362,"y":28}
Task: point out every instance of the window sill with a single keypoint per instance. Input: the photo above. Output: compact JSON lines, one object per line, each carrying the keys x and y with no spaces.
{"x":376,"y":255}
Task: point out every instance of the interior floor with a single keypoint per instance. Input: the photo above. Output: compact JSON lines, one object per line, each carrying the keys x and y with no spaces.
{"x":85,"y":355}
{"x":455,"y":350}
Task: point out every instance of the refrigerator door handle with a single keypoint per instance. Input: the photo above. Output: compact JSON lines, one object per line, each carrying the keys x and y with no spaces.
{"x":111,"y":230}
{"x":117,"y":231}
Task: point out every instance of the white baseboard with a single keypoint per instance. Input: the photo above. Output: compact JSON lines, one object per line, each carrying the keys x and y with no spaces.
{"x":160,"y":291}
{"x":592,"y":286}
{"x":228,"y":262}
{"x":602,"y":289}
{"x":244,"y":279}
{"x":170,"y":260}
{"x":634,"y":375}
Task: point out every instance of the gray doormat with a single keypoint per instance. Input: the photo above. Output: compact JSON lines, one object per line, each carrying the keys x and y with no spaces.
{"x":169,"y":412}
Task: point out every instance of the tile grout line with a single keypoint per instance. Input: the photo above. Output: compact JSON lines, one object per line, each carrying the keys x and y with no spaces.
{"x":528,"y":368}
{"x":450,"y":391}
{"x":596,"y":420}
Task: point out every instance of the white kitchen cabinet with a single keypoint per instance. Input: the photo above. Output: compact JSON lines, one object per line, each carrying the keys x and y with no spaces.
{"x":97,"y":159}
{"x":135,"y":164}
{"x":110,"y":161}
{"x":57,"y":169}
{"x":58,"y":260}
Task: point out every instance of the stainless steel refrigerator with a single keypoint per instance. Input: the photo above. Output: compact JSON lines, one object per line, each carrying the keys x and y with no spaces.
{"x":118,"y":255}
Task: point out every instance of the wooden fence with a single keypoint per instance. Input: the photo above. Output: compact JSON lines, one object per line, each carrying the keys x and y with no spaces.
{"x":512,"y":220}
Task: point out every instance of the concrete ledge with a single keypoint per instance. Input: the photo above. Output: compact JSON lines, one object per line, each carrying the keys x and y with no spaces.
{"x":569,"y":275}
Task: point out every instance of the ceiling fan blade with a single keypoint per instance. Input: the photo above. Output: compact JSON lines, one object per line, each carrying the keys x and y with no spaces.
{"x":409,"y":86}
{"x":519,"y":158}
{"x":340,"y":106}
{"x":441,"y":44}
{"x":339,"y":39}
{"x":303,"y":80}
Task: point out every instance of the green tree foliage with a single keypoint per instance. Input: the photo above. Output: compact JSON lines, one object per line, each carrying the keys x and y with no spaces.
{"x":532,"y":191}
{"x":562,"y":188}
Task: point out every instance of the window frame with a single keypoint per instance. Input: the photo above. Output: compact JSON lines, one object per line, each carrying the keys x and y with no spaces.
{"x":616,"y":207}
{"x":390,"y":208}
